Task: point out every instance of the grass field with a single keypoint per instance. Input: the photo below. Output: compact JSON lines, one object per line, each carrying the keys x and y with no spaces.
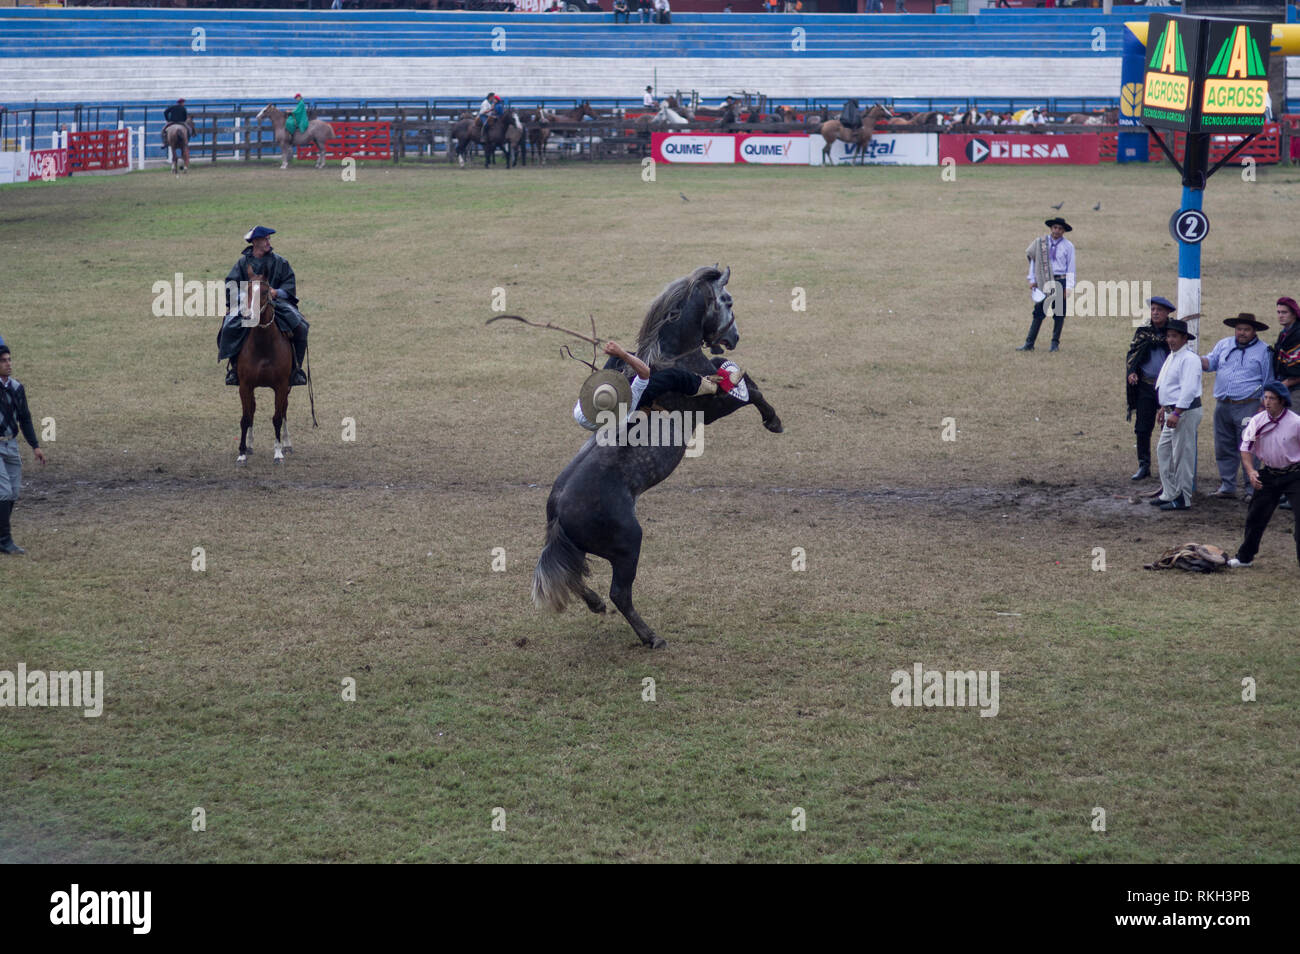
{"x":372,"y":559}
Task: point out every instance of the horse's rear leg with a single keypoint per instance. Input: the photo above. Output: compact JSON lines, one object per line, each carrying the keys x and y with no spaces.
{"x":284,"y":431}
{"x":281,"y":407}
{"x":620,"y":588}
{"x":593,"y":600}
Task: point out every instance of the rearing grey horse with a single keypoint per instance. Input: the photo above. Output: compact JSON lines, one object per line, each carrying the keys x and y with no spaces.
{"x":592,"y":506}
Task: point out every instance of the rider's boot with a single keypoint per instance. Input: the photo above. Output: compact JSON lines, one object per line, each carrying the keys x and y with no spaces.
{"x":231,"y":377}
{"x":299,"y":352}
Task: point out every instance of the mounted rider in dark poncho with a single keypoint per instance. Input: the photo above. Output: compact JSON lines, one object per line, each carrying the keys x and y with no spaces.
{"x":850,"y":115}
{"x":279,"y":275}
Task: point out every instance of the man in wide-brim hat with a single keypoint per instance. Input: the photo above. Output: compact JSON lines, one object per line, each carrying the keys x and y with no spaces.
{"x":1146,"y":356}
{"x":1272,"y":436}
{"x":1242,"y":365}
{"x":1179,"y":391}
{"x":1051,"y":278}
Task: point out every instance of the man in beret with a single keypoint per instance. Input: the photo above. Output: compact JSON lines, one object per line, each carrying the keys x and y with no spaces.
{"x":1146,"y":356}
{"x":1272,"y":435}
{"x":1241,"y":364}
{"x":1179,"y":390}
{"x":279,"y":275}
{"x":1051,"y":277}
{"x":15,"y":419}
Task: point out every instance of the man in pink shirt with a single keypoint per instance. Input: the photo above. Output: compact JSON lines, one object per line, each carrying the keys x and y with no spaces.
{"x":1272,"y":435}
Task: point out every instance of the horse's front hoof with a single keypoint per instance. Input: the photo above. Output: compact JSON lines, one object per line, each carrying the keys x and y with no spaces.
{"x":773,"y":424}
{"x":658,"y":643}
{"x":241,"y":459}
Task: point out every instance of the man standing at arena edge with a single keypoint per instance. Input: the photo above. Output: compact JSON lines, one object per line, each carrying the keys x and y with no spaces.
{"x":1146,"y":356}
{"x":15,"y":417}
{"x":1051,"y":277}
{"x":1272,"y":435}
{"x":1241,"y":364}
{"x":1179,"y":391}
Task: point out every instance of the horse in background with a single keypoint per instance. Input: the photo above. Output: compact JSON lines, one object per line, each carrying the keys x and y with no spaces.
{"x":833,"y":130}
{"x":465,"y":132}
{"x":265,"y":361}
{"x":1105,"y":117}
{"x":592,"y":505}
{"x":317,"y":133}
{"x":176,"y":137}
{"x":504,"y":132}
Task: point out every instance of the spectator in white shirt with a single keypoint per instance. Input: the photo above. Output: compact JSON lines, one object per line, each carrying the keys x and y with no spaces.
{"x":1179,"y":390}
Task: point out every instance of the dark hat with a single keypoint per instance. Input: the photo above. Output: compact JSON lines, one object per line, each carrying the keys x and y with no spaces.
{"x":1290,"y":303}
{"x":1163,"y":303}
{"x":4,"y":348}
{"x":1281,"y":390}
{"x":1245,"y":318}
{"x":648,"y":88}
{"x":260,"y":232}
{"x":1177,"y":324}
{"x":1059,"y":221}
{"x":180,"y":100}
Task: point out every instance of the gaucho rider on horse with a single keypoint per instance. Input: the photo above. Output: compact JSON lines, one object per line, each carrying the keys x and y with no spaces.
{"x":492,"y":106}
{"x":279,"y":275}
{"x":850,"y":116}
{"x":296,"y":121}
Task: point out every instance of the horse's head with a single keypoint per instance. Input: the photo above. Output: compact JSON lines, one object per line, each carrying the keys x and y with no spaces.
{"x":259,"y":304}
{"x":267,"y":112}
{"x":689,"y":313}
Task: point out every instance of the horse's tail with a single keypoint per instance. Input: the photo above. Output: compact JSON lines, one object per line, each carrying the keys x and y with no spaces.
{"x":559,"y":571}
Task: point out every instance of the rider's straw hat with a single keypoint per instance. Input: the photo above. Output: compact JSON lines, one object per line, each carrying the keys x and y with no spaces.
{"x":604,"y":391}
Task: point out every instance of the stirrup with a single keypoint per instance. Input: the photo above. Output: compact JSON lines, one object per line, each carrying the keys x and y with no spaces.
{"x":231,"y":376}
{"x":298,"y":379}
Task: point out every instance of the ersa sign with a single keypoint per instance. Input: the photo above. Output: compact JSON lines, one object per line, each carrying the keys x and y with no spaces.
{"x":1020,"y":150}
{"x":1205,"y":74}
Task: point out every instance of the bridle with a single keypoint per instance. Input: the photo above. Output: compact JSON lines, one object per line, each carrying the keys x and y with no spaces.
{"x":268,"y":306}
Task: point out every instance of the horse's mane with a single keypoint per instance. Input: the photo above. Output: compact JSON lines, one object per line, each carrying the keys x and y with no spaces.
{"x":666,"y":308}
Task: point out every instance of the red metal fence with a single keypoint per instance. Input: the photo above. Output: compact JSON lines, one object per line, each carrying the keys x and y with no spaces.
{"x":1265,"y":148}
{"x":355,"y":141}
{"x":99,"y":149}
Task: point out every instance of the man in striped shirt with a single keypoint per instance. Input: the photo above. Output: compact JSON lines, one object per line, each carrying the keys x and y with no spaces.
{"x":1272,"y":435}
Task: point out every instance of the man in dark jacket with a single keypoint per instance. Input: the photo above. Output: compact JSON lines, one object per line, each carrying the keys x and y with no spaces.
{"x":279,"y":275}
{"x":15,"y":418}
{"x":1146,"y":355}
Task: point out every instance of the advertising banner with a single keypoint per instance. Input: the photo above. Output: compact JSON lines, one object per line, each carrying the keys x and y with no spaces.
{"x":1021,"y":150}
{"x":693,"y":147}
{"x":47,"y":164}
{"x":788,"y":150}
{"x":885,"y":149}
